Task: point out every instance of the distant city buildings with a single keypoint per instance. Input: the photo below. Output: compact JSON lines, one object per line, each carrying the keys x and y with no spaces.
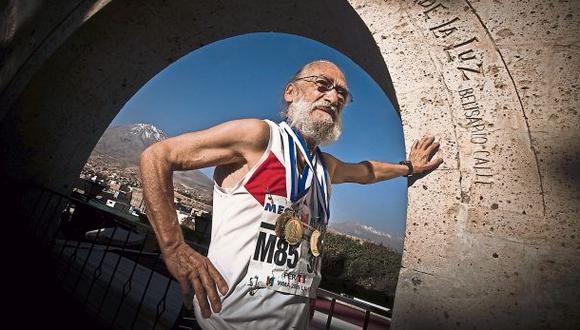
{"x":122,"y":191}
{"x":137,"y":201}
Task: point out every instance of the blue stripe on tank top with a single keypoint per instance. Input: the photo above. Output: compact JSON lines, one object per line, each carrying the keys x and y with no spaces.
{"x":293,"y":191}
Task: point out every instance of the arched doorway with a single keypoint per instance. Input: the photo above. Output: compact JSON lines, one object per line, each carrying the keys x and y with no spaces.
{"x":242,"y":77}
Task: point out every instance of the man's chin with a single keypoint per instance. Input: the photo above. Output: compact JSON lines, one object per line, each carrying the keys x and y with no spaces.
{"x":323,"y":133}
{"x":316,"y":124}
{"x":322,"y":115}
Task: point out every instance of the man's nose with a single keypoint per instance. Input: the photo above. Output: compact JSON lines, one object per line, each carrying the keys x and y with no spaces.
{"x":332,"y":97}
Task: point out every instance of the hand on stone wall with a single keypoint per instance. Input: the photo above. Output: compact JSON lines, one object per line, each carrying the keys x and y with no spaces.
{"x":421,"y":157}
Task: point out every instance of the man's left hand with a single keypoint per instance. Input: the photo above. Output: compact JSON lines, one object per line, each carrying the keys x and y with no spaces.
{"x":421,"y":153}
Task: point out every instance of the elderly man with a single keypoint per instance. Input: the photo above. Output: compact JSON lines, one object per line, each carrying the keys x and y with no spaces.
{"x":271,"y":204}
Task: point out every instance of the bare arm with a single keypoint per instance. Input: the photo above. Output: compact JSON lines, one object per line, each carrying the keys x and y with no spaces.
{"x":235,"y":142}
{"x":370,"y":171}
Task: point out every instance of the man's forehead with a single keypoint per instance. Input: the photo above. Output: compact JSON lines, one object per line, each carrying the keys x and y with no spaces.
{"x":326,"y":69}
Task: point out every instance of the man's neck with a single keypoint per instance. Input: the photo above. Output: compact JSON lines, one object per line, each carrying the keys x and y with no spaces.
{"x":311,"y":145}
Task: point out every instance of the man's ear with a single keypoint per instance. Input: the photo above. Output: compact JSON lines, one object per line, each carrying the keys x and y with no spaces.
{"x":289,"y":93}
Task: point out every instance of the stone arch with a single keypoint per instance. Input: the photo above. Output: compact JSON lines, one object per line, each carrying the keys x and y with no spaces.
{"x":494,"y":229}
{"x":122,"y":46}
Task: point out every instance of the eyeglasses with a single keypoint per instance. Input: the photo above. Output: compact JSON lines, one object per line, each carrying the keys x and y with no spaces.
{"x":325,"y":85}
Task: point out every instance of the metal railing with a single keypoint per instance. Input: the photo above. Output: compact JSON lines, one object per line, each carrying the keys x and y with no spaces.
{"x":365,"y":307}
{"x":118,"y":274}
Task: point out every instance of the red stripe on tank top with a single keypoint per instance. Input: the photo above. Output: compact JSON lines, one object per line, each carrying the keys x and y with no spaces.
{"x":270,"y":177}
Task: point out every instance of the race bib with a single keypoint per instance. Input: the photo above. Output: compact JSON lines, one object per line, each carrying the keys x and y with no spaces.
{"x":279,"y":265}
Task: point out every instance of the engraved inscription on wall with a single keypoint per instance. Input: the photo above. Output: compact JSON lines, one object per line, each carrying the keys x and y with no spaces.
{"x":466,"y":61}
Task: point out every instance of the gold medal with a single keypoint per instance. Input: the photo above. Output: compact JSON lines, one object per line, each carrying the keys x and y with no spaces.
{"x":293,"y":231}
{"x":281,"y":223}
{"x":314,"y":241}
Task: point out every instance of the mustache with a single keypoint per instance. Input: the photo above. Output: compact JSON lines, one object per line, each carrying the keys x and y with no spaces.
{"x":325,"y":105}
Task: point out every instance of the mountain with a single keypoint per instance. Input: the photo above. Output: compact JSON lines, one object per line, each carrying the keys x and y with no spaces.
{"x":124,"y":144}
{"x":367,"y":233}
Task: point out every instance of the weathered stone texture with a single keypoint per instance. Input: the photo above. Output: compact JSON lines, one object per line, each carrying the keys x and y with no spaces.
{"x":432,"y":226}
{"x":27,"y":41}
{"x":511,"y":286}
{"x":540,"y":42}
{"x":502,"y":199}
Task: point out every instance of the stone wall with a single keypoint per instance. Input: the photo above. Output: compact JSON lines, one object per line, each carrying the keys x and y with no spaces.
{"x":492,"y":236}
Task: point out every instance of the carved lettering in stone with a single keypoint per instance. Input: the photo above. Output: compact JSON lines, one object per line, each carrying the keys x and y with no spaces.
{"x":464,"y":55}
{"x":431,"y":6}
{"x":477,"y":128}
{"x":444,"y":29}
{"x":426,"y":3}
{"x":432,"y":9}
{"x":470,"y":60}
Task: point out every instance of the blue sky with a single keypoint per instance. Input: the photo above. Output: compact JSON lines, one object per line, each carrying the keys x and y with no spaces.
{"x":243,"y":77}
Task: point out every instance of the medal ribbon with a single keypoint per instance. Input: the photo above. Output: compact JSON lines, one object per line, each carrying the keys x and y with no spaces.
{"x":314,"y":167}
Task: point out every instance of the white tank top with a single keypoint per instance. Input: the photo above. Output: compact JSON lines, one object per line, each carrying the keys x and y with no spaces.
{"x":270,"y":283}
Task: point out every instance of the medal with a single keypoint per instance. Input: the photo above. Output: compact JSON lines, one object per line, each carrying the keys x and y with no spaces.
{"x":293,"y":231}
{"x":314,"y":241}
{"x":281,"y":223}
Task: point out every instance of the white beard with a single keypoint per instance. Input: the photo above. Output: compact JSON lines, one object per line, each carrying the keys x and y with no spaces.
{"x":321,"y":131}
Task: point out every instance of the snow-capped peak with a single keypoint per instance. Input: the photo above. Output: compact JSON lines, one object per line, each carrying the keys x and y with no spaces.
{"x":374,"y":231}
{"x":369,"y":233}
{"x":148,"y":132}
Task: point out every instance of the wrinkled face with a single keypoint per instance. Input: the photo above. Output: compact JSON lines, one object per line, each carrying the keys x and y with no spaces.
{"x":315,"y":102}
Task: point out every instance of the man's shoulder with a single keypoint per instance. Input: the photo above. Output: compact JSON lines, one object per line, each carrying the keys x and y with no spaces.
{"x":328,"y":158}
{"x":331,"y":162}
{"x":252,"y":127}
{"x":251,"y":131}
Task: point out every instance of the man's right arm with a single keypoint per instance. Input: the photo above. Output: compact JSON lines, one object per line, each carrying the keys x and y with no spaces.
{"x":235,"y":142}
